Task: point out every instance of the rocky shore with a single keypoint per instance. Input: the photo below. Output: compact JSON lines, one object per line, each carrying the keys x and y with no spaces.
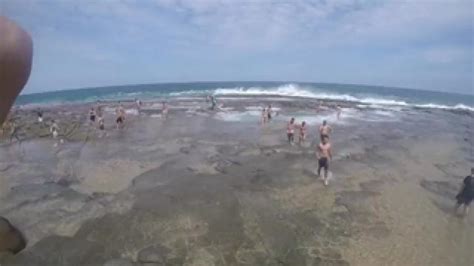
{"x":209,"y":187}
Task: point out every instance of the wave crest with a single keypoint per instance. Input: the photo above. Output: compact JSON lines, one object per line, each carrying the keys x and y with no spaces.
{"x":294,"y":90}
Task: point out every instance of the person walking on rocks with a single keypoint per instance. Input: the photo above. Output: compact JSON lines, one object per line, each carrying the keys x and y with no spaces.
{"x":120,"y":112}
{"x":303,"y":132}
{"x":324,"y":130}
{"x":324,"y":156}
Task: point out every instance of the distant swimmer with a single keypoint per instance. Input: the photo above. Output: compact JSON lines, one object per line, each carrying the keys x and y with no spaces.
{"x":303,"y":132}
{"x":324,"y":130}
{"x":92,"y":116}
{"x":269,"y":112}
{"x":339,"y":111}
{"x":466,"y":195}
{"x":324,"y":155}
{"x":290,"y":131}
{"x":164,"y":111}
{"x":120,"y":112}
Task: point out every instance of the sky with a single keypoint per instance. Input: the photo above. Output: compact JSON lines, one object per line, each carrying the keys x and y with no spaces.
{"x":424,"y":44}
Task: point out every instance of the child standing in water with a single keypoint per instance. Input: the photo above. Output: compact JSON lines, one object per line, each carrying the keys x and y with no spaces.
{"x":303,"y":131}
{"x":290,"y":131}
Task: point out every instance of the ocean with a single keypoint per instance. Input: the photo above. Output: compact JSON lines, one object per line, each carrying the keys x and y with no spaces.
{"x":370,"y":95}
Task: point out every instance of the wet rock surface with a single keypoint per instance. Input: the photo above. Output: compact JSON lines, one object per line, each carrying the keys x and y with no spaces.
{"x":198,"y":190}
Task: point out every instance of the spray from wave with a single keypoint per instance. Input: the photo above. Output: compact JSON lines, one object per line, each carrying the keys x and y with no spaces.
{"x":294,"y":90}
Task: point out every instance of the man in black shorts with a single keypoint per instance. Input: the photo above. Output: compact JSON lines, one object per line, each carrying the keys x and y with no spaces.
{"x":466,"y":195}
{"x":324,"y":155}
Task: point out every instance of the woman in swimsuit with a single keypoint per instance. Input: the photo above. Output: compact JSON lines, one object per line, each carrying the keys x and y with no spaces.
{"x":303,"y":130}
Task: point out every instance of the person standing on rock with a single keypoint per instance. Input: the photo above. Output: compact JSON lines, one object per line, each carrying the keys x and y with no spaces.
{"x":324,"y":130}
{"x":466,"y":195}
{"x":264,"y":116}
{"x":92,"y":116}
{"x":290,"y":131}
{"x":303,"y":132}
{"x":39,"y":113}
{"x":14,"y":131}
{"x":324,"y":156}
{"x":120,"y":112}
{"x":269,"y":112}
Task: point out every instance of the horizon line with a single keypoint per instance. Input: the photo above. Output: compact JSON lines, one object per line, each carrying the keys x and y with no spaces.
{"x":245,"y":81}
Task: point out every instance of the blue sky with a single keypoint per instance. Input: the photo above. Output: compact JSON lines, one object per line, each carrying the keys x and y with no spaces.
{"x":425,"y":44}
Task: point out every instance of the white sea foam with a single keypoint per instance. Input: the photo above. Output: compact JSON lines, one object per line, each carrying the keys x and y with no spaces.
{"x":294,"y":90}
{"x":446,"y":107}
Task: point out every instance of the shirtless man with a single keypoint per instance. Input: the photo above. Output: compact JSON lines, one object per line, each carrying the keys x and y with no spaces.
{"x":324,"y":130}
{"x":120,"y":112}
{"x":466,"y":195}
{"x":290,"y":131}
{"x":324,"y":156}
{"x":339,"y":110}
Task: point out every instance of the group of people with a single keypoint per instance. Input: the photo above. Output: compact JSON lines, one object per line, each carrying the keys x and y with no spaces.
{"x":267,"y":114}
{"x":96,"y":115}
{"x":323,"y":151}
